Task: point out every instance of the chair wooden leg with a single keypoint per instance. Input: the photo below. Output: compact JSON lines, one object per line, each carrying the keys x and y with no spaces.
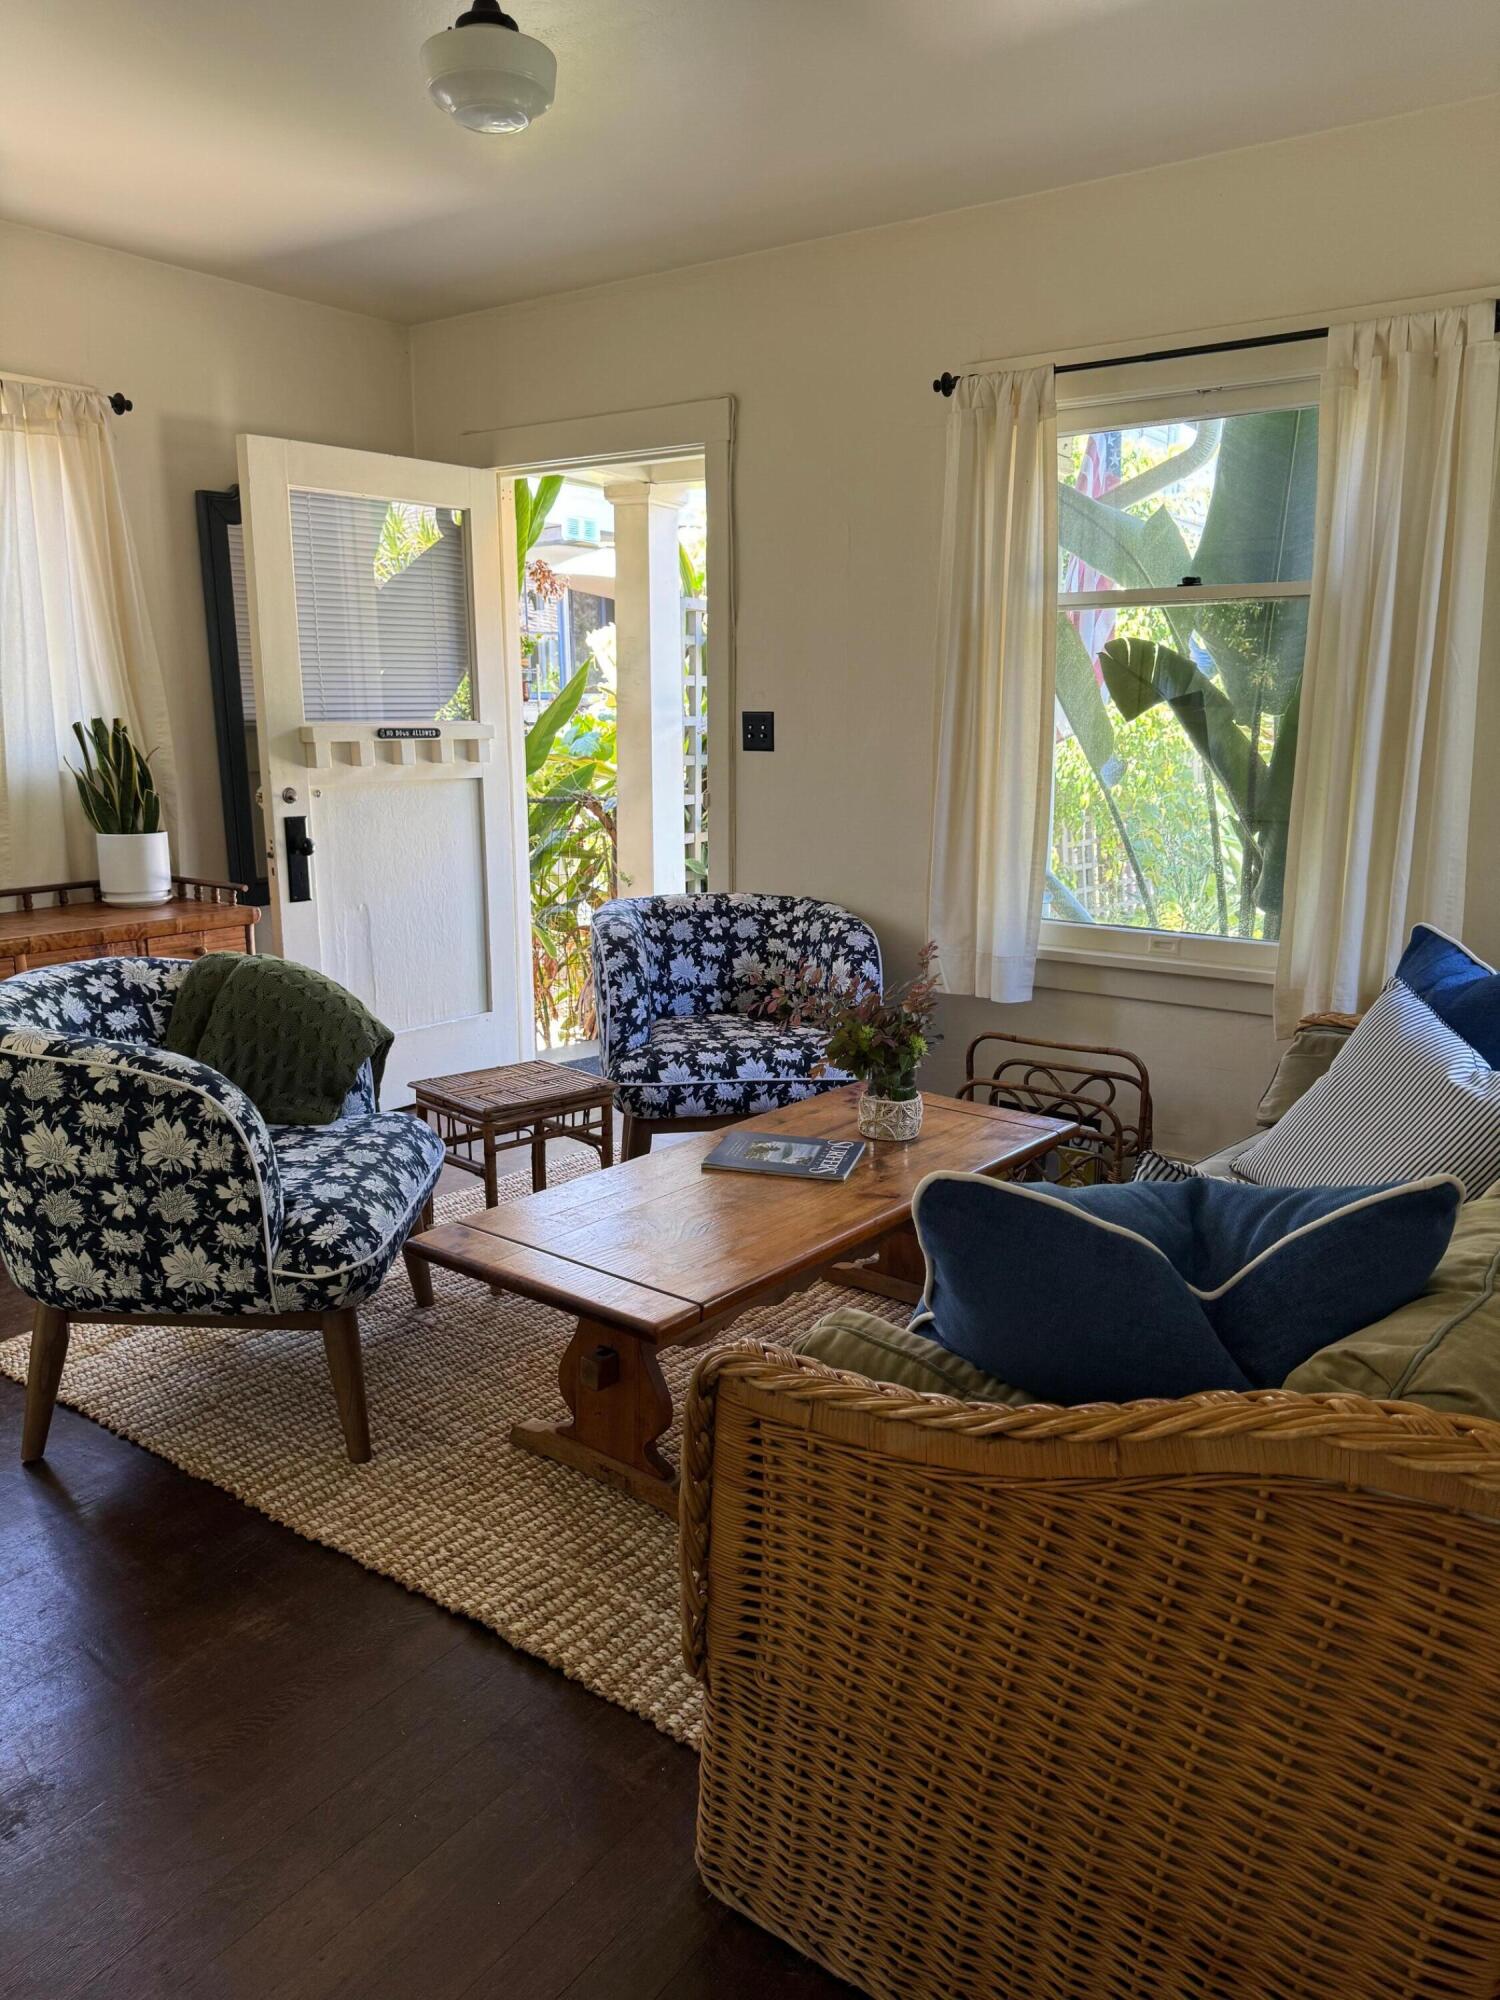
{"x":346,"y":1366}
{"x":418,"y":1270}
{"x":49,"y":1350}
{"x":635,"y":1138}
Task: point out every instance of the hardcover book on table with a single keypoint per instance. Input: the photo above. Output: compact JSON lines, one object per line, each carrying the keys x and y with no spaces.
{"x":786,"y":1155}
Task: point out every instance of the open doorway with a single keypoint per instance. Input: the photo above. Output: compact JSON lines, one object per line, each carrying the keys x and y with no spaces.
{"x":614,"y":635}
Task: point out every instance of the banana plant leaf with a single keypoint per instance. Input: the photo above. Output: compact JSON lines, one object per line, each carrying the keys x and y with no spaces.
{"x":1108,"y":540}
{"x":1135,"y":554}
{"x":1258,"y":651}
{"x":1258,"y":527}
{"x":1081,"y":700}
{"x":1141,"y":672}
{"x":560,"y":711}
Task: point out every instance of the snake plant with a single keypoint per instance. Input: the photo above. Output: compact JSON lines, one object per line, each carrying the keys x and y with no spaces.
{"x":116,"y":786}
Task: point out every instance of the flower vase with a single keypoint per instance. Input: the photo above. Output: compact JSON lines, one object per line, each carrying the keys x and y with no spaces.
{"x":889,"y":1117}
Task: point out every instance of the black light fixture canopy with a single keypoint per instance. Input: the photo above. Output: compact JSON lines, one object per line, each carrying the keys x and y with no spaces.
{"x":486,"y":10}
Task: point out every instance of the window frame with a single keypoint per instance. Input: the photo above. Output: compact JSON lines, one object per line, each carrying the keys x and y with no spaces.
{"x":1120,"y":397}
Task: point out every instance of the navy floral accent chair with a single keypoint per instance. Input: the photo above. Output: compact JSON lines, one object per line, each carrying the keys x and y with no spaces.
{"x":137,"y":1184}
{"x":675,"y":979}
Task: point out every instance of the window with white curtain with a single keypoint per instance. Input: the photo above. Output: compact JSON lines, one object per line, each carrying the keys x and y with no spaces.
{"x":1185,"y":542}
{"x":75,"y":635}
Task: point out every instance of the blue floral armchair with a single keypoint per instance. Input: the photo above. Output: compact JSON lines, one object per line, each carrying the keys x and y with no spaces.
{"x":139,"y":1184}
{"x":674,"y":980}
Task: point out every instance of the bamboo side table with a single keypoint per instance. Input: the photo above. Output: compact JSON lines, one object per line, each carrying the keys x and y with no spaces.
{"x":62,"y":923}
{"x":484,"y":1112}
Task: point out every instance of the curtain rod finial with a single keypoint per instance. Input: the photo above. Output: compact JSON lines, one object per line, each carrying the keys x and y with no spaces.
{"x":120,"y":403}
{"x":946,"y":383}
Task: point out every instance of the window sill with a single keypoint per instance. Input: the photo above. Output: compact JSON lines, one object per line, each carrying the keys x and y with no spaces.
{"x":1163,"y":980}
{"x":1143,"y":961}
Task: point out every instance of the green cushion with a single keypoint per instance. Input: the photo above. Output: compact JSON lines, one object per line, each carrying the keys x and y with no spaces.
{"x":1310,"y":1055}
{"x":865,"y":1344}
{"x":1444,"y":1348}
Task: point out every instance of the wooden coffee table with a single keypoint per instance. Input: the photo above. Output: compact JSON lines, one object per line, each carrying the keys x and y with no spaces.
{"x":656,"y":1253}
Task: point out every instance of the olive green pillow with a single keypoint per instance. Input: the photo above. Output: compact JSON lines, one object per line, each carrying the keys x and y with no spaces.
{"x":1310,"y":1056}
{"x":1444,"y":1348}
{"x":865,"y":1344}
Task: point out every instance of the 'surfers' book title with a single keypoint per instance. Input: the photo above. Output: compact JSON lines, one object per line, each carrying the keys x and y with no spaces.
{"x":789,"y":1156}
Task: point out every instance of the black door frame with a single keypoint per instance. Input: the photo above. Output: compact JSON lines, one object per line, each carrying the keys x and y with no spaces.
{"x":217,"y":513}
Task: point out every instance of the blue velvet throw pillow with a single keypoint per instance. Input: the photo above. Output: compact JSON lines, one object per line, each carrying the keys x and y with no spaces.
{"x":1165,"y":1288}
{"x":1460,"y":989}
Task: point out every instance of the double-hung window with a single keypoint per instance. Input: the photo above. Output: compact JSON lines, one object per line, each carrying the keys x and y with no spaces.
{"x":1185,"y":538}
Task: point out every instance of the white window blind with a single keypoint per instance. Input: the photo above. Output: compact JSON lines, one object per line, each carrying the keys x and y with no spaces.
{"x":235,"y":535}
{"x":382,"y":608}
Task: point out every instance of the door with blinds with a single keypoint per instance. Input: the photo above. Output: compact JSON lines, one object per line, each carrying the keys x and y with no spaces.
{"x":391,"y":762}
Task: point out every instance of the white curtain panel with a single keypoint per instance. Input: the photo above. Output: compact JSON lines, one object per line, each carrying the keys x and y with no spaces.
{"x":75,"y":640}
{"x":997,"y":618}
{"x":1380,"y":801}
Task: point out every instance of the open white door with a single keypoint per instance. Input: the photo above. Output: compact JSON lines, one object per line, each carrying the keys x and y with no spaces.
{"x":391,"y":758}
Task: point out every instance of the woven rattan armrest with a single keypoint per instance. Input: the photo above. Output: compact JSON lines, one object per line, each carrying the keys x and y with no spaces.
{"x":1191,"y":1700}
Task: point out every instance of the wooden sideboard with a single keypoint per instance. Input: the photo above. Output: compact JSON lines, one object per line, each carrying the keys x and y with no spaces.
{"x":74,"y":924}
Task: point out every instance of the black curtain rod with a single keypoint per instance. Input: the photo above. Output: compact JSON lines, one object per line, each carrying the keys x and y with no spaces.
{"x":946,"y":383}
{"x":120,"y":403}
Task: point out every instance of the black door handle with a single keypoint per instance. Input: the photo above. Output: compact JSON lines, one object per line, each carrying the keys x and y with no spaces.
{"x":298,"y":847}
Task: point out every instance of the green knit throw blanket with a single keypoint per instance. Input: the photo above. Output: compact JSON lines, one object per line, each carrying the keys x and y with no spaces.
{"x":292,"y":1039}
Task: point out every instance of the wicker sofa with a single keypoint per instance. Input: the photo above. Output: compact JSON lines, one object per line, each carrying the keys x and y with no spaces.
{"x":1173,"y":1701}
{"x":1192,"y":1700}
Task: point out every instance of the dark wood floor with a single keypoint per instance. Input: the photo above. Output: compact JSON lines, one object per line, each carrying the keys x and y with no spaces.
{"x":234,"y":1765}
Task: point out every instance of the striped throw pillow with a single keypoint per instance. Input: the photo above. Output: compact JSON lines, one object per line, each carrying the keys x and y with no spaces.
{"x":1157,"y":1167}
{"x":1404,"y":1098}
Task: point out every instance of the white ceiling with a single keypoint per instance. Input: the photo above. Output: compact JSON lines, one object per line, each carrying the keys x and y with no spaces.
{"x":290,"y":143}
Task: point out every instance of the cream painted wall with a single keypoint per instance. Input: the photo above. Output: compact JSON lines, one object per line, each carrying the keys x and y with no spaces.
{"x":830,"y":349}
{"x":202,"y":359}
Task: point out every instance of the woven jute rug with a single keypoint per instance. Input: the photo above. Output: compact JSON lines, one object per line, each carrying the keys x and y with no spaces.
{"x":582,"y":1576}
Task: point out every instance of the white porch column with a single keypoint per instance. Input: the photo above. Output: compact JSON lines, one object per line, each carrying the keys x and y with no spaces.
{"x":648,"y":658}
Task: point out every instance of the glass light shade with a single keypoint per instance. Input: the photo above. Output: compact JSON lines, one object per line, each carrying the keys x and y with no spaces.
{"x":491,"y":79}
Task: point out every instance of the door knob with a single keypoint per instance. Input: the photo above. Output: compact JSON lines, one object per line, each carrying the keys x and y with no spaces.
{"x":298,"y":849}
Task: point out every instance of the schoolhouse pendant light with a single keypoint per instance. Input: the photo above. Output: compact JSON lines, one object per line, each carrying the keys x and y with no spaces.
{"x":489,"y":75}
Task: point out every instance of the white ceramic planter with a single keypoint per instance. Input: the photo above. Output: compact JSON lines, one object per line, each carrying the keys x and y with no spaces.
{"x":134,"y":868}
{"x":890,"y":1117}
